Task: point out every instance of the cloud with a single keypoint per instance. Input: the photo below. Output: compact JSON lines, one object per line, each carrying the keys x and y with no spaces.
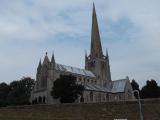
{"x":138,"y":55}
{"x":31,"y":22}
{"x":129,"y":29}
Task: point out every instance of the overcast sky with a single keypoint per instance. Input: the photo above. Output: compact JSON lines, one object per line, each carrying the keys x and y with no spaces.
{"x":130,"y":29}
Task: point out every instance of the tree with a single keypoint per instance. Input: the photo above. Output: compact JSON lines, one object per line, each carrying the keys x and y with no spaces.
{"x":135,"y":86}
{"x":4,"y":90}
{"x":66,"y":89}
{"x":150,"y":90}
{"x":20,"y":91}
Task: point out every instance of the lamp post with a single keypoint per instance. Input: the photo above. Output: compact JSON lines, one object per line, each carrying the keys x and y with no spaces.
{"x":139,"y":102}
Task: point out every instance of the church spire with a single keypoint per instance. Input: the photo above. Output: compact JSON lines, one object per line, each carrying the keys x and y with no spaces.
{"x":96,"y":48}
{"x":39,"y":66}
{"x":107,"y":56}
{"x":96,"y":62}
{"x":46,"y":60}
{"x":52,"y":59}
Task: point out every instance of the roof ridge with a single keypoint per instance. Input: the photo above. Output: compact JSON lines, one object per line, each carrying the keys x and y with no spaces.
{"x":73,"y":67}
{"x":120,"y":80}
{"x":74,"y":70}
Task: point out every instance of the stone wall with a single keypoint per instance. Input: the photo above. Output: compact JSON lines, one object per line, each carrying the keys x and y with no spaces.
{"x":92,"y":111}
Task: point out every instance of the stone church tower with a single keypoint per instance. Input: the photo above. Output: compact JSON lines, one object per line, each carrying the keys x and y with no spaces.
{"x":96,"y":62}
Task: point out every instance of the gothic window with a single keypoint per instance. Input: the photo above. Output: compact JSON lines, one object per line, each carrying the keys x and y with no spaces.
{"x":44,"y":77}
{"x":91,"y":96}
{"x":99,"y":97}
{"x":87,"y":98}
{"x":107,"y":97}
{"x":84,"y":80}
{"x":104,"y":97}
{"x":34,"y":101}
{"x":40,"y":99}
{"x":80,"y":79}
{"x":95,"y":82}
{"x":103,"y":65}
{"x":82,"y":98}
{"x":116,"y":97}
{"x":44,"y":99}
{"x":91,"y":81}
{"x":120,"y":97}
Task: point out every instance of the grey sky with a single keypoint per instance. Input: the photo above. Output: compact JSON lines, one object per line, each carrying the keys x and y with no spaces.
{"x":130,"y":29}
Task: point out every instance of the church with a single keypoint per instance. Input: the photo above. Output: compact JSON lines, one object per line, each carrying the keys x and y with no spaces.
{"x":95,"y":77}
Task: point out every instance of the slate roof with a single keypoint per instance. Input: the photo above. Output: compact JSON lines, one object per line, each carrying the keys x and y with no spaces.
{"x":74,"y":70}
{"x":94,"y":87}
{"x":118,"y":85}
{"x":112,"y":87}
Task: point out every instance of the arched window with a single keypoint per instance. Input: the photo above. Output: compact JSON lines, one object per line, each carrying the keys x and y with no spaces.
{"x":82,"y":98}
{"x":104,"y":97}
{"x":95,"y":82}
{"x":34,"y":101}
{"x":87,"y":98}
{"x":40,"y":99}
{"x":44,"y":99}
{"x":99,"y":97}
{"x":84,"y":80}
{"x":115,"y":97}
{"x":91,"y":81}
{"x":44,"y":77}
{"x":107,"y":97}
{"x":91,"y":96}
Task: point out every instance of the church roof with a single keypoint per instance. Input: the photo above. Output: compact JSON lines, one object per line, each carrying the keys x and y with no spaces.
{"x":117,"y":86}
{"x":74,"y":70}
{"x":113,"y":87}
{"x":95,"y":87}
